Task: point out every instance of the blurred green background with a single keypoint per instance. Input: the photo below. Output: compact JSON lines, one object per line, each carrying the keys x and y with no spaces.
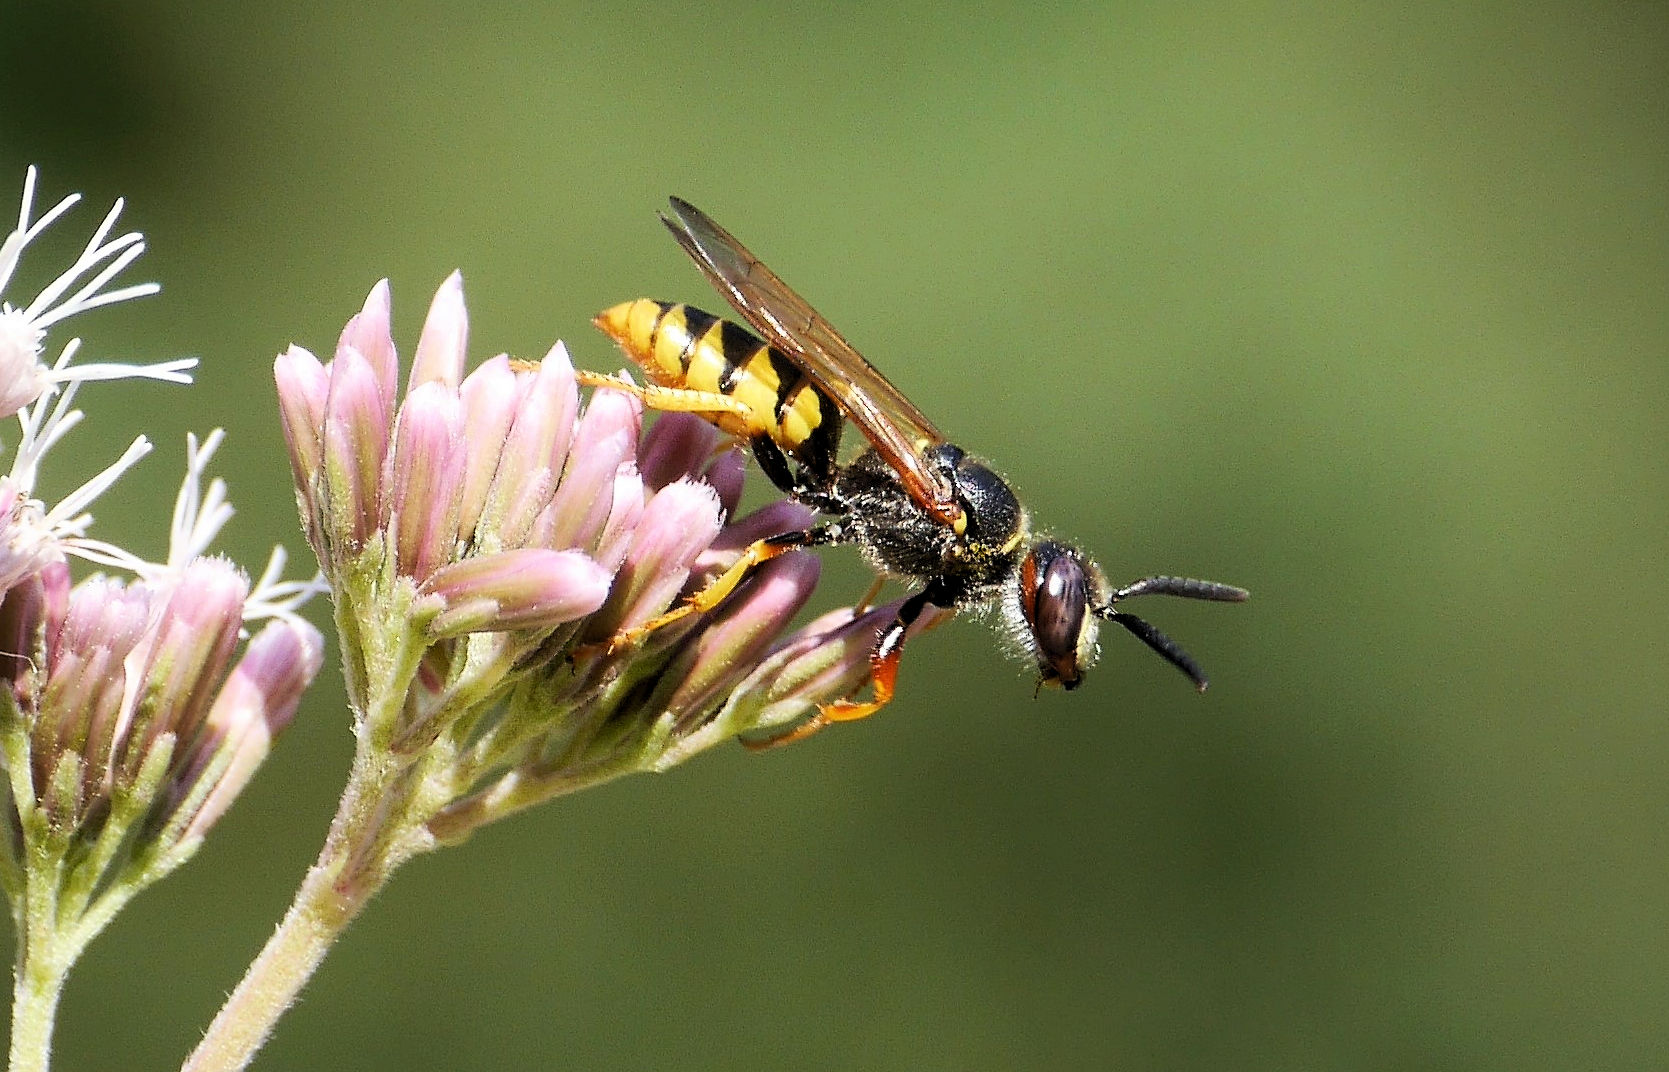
{"x":1361,"y":306}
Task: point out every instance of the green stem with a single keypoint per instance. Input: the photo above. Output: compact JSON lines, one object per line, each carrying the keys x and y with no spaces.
{"x":45,"y":950}
{"x":377,"y":827}
{"x":43,"y":960}
{"x":43,"y":955}
{"x":319,"y":914}
{"x":527,"y":785}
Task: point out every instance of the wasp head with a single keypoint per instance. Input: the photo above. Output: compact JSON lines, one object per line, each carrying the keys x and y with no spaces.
{"x":1058,"y":597}
{"x":1051,"y":611}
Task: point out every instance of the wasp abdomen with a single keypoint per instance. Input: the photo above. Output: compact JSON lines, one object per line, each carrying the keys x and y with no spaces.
{"x":681,"y":347}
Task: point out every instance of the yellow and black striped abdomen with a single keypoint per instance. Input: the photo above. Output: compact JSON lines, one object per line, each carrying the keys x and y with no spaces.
{"x":685,"y":349}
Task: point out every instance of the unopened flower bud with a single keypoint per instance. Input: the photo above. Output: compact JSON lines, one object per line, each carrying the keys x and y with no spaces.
{"x":526,"y":588}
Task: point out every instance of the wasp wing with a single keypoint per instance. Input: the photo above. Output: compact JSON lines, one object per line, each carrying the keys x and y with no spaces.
{"x":897,"y":430}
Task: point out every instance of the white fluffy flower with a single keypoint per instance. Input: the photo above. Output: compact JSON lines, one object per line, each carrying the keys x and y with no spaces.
{"x":24,"y":376}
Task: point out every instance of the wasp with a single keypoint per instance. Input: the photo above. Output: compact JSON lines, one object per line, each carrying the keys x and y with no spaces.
{"x":916,"y":506}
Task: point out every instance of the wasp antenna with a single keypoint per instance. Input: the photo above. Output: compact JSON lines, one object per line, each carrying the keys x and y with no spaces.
{"x":1167,"y":648}
{"x":1186,"y":587}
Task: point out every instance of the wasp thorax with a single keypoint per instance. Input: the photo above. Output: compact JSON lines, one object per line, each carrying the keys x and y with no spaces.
{"x":992,"y":510}
{"x":1055,"y":602}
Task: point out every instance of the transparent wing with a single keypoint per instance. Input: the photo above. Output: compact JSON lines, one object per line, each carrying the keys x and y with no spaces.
{"x":897,"y":430}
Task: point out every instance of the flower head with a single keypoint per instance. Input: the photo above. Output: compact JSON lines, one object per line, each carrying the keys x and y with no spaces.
{"x":128,"y":720}
{"x":33,"y":534}
{"x":24,"y":376}
{"x":133,"y":701}
{"x":485,"y":536}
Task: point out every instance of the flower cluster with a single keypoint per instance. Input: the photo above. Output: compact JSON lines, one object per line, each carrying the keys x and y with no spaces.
{"x":134,"y":716}
{"x":485,"y":538}
{"x":128,"y":722}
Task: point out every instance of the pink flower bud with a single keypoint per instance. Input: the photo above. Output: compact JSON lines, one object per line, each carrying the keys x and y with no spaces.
{"x":490,"y":396}
{"x":536,"y":449}
{"x":426,"y":479}
{"x":440,"y":349}
{"x":677,"y":525}
{"x":624,"y":516}
{"x":303,"y":386}
{"x":256,"y":703}
{"x":527,"y":588}
{"x":173,"y":672}
{"x":604,"y":439}
{"x":679,"y":445}
{"x":355,"y":442}
{"x":27,"y":623}
{"x":825,"y":661}
{"x":772,"y":519}
{"x":369,"y":333}
{"x":742,"y":631}
{"x":81,"y":706}
{"x":727,"y":475}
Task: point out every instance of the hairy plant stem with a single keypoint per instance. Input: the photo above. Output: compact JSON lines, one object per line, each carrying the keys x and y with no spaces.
{"x":379,"y":825}
{"x":44,"y":953}
{"x":372,"y":834}
{"x":43,"y":959}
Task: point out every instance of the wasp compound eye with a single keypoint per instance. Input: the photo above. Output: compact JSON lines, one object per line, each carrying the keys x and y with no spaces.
{"x":1056,"y":602}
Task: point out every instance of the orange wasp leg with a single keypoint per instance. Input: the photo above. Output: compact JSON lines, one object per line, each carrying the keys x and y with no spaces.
{"x":862,"y":606}
{"x":883,"y":672}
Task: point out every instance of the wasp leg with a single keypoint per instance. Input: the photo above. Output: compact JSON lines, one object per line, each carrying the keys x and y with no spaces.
{"x":811,"y":488}
{"x":773,"y":463}
{"x":863,"y":606}
{"x":667,"y":399}
{"x":756,"y":553}
{"x":883,"y":673}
